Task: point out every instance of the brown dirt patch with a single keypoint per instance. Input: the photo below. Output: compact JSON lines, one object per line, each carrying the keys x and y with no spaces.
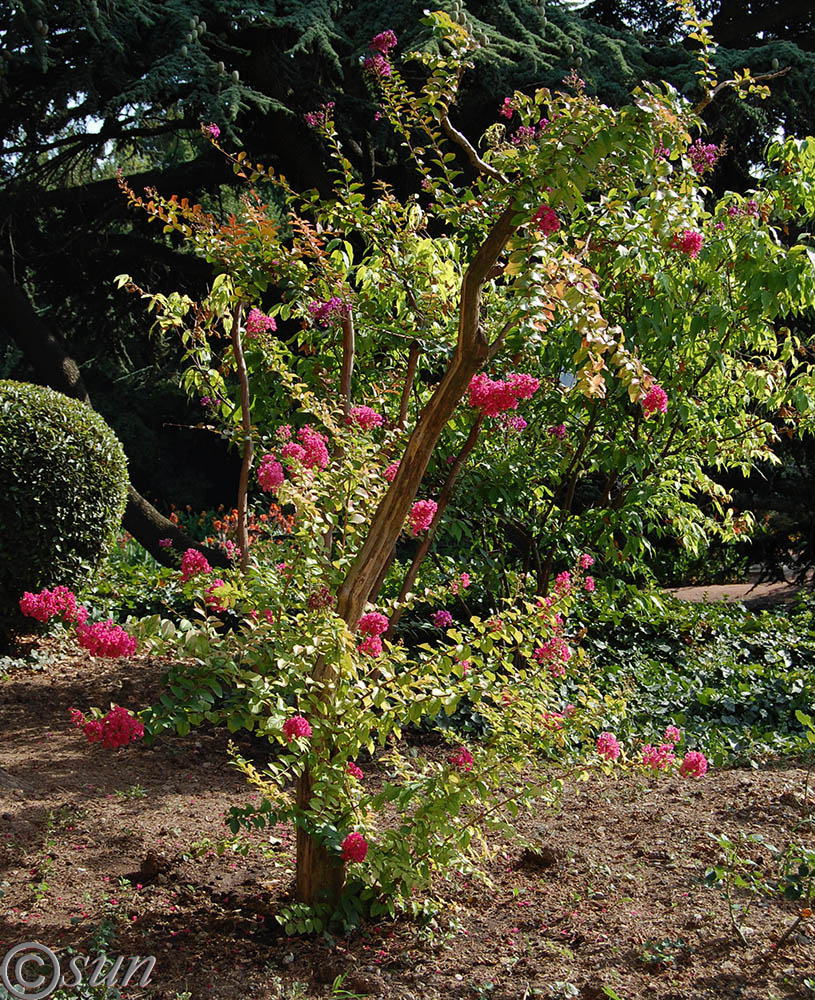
{"x":617,"y":885}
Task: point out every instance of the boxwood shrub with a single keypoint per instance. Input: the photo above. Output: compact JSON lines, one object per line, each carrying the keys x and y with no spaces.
{"x":63,"y":488}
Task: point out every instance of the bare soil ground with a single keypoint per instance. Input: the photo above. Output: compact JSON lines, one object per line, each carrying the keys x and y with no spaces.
{"x":614,"y":900}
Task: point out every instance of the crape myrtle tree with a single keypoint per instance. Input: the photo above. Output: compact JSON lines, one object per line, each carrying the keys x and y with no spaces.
{"x":85,"y":87}
{"x":488,"y":277}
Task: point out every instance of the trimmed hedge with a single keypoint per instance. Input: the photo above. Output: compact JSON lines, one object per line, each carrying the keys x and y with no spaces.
{"x":63,"y":489}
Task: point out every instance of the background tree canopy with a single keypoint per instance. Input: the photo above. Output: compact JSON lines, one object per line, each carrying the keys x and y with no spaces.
{"x":86,"y":88}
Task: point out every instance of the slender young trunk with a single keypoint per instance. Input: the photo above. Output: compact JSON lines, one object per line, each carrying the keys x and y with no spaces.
{"x":246,"y":425}
{"x":319,"y":874}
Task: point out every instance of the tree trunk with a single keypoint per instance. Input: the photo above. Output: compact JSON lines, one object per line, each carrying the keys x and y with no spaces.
{"x":320,"y":875}
{"x":55,"y":368}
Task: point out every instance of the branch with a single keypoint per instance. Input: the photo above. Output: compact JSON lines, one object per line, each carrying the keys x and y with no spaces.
{"x":410,"y":375}
{"x":471,"y":352}
{"x":246,"y":424}
{"x":348,"y":348}
{"x":698,"y":108}
{"x":472,"y":154}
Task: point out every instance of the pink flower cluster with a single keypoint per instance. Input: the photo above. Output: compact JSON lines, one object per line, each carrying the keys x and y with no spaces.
{"x":462,"y":583}
{"x":193,"y":562}
{"x":47,"y":604}
{"x":526,"y":134}
{"x":694,"y":765}
{"x":106,"y":639}
{"x":607,"y":746}
{"x":563,"y":583}
{"x":546,"y":220}
{"x":589,"y":585}
{"x":377,"y":63}
{"x":116,"y":729}
{"x":354,"y":770}
{"x":258,"y":322}
{"x":442,"y":619}
{"x":506,"y":109}
{"x":703,"y":157}
{"x":328,"y":312}
{"x":658,"y":758}
{"x":372,"y":625}
{"x":270,"y":473}
{"x":558,"y":431}
{"x":365,"y":418}
{"x":212,"y":599}
{"x":655,"y":401}
{"x":317,"y":119}
{"x":494,"y":396}
{"x":555,"y":654}
{"x":421,"y":515}
{"x":212,"y":130}
{"x":383,"y":42}
{"x":354,"y":847}
{"x":462,"y":759}
{"x":586,"y":561}
{"x":672,"y":735}
{"x":296,"y":728}
{"x":689,"y":242}
{"x":515,"y":423}
{"x":661,"y":152}
{"x":390,"y":472}
{"x":310,"y":453}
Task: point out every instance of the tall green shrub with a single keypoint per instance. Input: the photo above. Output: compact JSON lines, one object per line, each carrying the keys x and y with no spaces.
{"x":63,"y":488}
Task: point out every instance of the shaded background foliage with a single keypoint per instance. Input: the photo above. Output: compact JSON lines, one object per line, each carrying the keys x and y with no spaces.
{"x":86,"y":88}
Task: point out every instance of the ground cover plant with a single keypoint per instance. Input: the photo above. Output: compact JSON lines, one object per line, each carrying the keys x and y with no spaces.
{"x":403,"y":721}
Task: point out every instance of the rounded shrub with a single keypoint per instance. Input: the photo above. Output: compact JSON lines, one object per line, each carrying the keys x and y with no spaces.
{"x":63,"y":489}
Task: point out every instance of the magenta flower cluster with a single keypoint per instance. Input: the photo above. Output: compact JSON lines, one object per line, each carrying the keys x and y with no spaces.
{"x":270,"y":474}
{"x":258,"y":322}
{"x":372,"y":626}
{"x":354,"y":847}
{"x":703,"y":157}
{"x":689,"y":242}
{"x":607,"y":746}
{"x":442,"y":619}
{"x":527,"y":134}
{"x":193,"y":562}
{"x":377,"y":64}
{"x":365,"y":418}
{"x":655,"y":401}
{"x":495,"y":396}
{"x":390,"y":471}
{"x":106,"y":639}
{"x":311,"y":453}
{"x":100,"y":638}
{"x":462,"y":759}
{"x":546,"y":220}
{"x":212,"y":599}
{"x":461,"y":583}
{"x":421,"y":515}
{"x":326,"y":313}
{"x":318,"y":119}
{"x":296,"y":728}
{"x":116,"y":729}
{"x":47,"y":604}
{"x":354,"y":770}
